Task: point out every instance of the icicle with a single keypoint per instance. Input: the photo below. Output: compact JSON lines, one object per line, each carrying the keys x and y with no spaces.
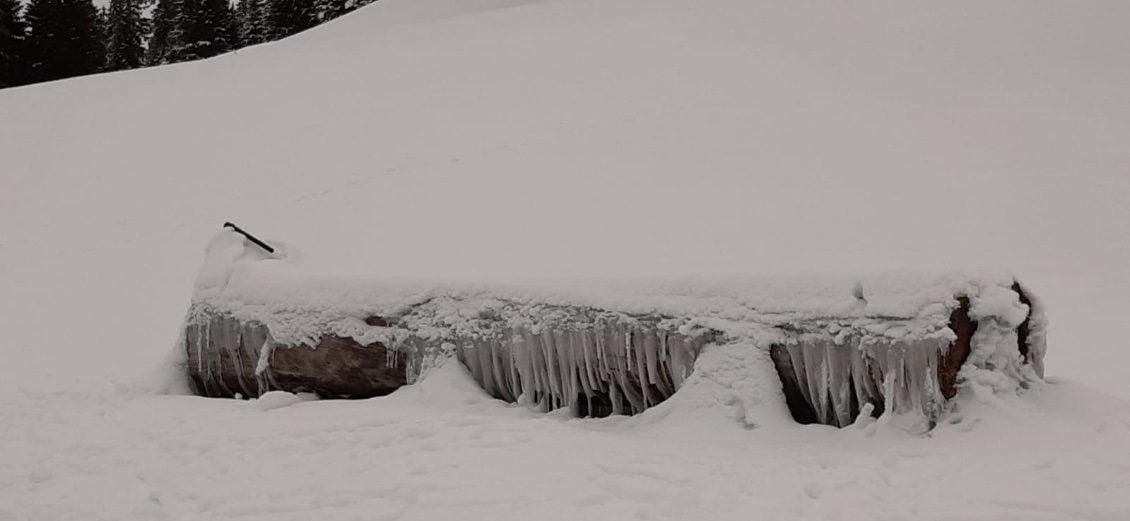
{"x":580,"y":363}
{"x":651,"y":347}
{"x":526,"y":371}
{"x":486,"y":348}
{"x":566,"y":371}
{"x":839,"y":372}
{"x":264,"y":366}
{"x":236,"y":356}
{"x":914,"y":363}
{"x":623,"y":380}
{"x":651,"y":355}
{"x":601,"y":357}
{"x":628,"y":344}
{"x":796,"y":355}
{"x":933,"y":401}
{"x":470,"y":360}
{"x":674,"y":360}
{"x":889,"y":384}
{"x":264,"y":356}
{"x":499,"y":352}
{"x":545,"y":380}
{"x":553,"y":376}
{"x":588,"y":382}
{"x":905,"y":401}
{"x":640,"y":366}
{"x":682,"y":362}
{"x":860,"y":376}
{"x":481,"y":352}
{"x":207,"y":347}
{"x":572,"y":374}
{"x":200,"y":348}
{"x":814,"y":377}
{"x":892,"y":380}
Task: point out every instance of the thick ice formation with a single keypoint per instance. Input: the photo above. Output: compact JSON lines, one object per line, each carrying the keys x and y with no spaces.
{"x":621,"y":347}
{"x":244,"y":347}
{"x":836,"y":381}
{"x":595,"y":362}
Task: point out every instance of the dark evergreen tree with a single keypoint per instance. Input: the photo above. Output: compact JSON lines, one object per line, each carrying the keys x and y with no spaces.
{"x":13,"y":53}
{"x":254,"y":27}
{"x":202,"y":29}
{"x":289,"y":17}
{"x":234,"y":32}
{"x":103,"y":18}
{"x":329,"y":9}
{"x":64,"y":39}
{"x":239,"y":14}
{"x":125,"y":32}
{"x":162,"y":25}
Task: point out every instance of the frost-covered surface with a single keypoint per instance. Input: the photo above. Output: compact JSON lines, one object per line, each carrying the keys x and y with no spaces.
{"x":573,"y":138}
{"x":877,"y":339}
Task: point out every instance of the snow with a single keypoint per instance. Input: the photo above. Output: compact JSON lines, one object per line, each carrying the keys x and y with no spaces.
{"x":278,"y":399}
{"x":464,"y":141}
{"x":300,"y":304}
{"x":443,"y":450}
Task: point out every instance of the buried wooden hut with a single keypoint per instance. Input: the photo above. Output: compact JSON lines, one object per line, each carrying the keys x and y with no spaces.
{"x":898,"y":342}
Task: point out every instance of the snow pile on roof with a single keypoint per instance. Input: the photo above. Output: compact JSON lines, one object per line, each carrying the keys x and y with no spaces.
{"x":300,"y":306}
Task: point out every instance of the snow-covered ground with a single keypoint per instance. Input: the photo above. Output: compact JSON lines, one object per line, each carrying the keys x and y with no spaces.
{"x":446,"y":451}
{"x":502,"y":139}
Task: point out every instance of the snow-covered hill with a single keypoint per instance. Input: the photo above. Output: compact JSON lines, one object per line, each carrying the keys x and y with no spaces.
{"x":503,"y":139}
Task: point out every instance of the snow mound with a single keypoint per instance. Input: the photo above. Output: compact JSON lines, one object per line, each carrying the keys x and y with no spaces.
{"x":272,"y":400}
{"x":732,"y":384}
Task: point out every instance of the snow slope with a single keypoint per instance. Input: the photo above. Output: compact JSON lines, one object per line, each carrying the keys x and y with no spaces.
{"x":581,"y":137}
{"x":478,"y":139}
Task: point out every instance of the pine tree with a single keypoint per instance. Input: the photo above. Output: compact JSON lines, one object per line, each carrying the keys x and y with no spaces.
{"x":329,"y":9}
{"x":201,"y":29}
{"x":254,"y":28}
{"x":64,"y":39}
{"x":288,"y":17}
{"x":232,"y":29}
{"x":162,"y":25}
{"x":103,"y":18}
{"x":240,"y":16}
{"x":125,"y":31}
{"x":13,"y":32}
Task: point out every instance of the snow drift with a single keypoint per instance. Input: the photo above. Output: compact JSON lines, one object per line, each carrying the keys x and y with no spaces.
{"x":892,"y":342}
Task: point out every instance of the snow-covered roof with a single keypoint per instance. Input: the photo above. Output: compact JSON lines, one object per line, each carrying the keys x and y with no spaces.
{"x":300,"y":304}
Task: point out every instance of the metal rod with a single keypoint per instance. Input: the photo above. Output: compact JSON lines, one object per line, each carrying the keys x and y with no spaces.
{"x":249,"y":237}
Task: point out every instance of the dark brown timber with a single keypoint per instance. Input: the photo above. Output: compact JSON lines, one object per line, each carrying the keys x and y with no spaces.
{"x":1024,"y":330}
{"x":964,"y":327}
{"x":223,"y":355}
